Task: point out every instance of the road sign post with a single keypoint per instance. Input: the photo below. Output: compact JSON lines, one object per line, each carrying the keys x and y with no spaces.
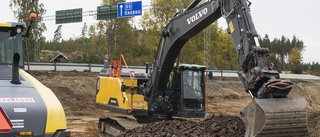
{"x":129,"y":9}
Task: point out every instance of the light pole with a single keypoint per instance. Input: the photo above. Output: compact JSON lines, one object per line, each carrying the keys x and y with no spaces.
{"x":100,"y":44}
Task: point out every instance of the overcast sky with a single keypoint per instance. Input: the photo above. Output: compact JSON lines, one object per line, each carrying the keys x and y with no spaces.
{"x":272,"y":17}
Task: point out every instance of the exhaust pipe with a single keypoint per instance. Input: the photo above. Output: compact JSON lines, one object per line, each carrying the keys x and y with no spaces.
{"x":15,"y":69}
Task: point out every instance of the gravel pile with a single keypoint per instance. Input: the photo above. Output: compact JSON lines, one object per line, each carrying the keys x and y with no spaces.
{"x":214,"y":126}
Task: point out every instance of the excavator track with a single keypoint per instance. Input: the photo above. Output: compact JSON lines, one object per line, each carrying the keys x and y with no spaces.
{"x":282,"y":117}
{"x":114,"y":126}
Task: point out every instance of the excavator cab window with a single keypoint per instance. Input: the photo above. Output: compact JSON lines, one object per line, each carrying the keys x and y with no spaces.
{"x":8,"y":46}
{"x":192,"y":81}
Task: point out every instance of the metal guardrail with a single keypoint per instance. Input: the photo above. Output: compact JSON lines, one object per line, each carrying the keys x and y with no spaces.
{"x":141,"y":69}
{"x":221,"y":72}
{"x":90,"y":66}
{"x":86,"y":65}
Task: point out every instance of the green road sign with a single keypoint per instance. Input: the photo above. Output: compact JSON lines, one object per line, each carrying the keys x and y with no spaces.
{"x":69,"y":16}
{"x":107,"y":12}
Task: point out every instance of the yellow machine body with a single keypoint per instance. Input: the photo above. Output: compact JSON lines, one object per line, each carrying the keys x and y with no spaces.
{"x":56,"y":119}
{"x":111,"y":97}
{"x":30,"y":108}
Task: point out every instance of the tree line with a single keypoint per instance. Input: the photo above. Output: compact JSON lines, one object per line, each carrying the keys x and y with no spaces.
{"x":139,"y":42}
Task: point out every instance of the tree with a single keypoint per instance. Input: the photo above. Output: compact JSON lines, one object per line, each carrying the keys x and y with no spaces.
{"x":274,"y":62}
{"x":57,"y":34}
{"x":164,"y":10}
{"x":295,"y":42}
{"x":281,"y":47}
{"x":92,"y":31}
{"x":265,"y":42}
{"x":295,"y":59}
{"x":119,"y":34}
{"x":84,"y":30}
{"x":22,"y":9}
{"x":224,"y":53}
{"x":155,"y":20}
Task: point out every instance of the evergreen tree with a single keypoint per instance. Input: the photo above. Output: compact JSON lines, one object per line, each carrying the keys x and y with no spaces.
{"x":57,"y":34}
{"x":84,"y":30}
{"x":281,"y":47}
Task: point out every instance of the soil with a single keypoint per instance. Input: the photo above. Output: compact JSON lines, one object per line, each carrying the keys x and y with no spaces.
{"x":76,"y":92}
{"x":214,"y":126}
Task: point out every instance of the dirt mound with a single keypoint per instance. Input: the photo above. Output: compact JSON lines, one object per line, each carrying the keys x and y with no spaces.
{"x":76,"y":92}
{"x":214,"y":126}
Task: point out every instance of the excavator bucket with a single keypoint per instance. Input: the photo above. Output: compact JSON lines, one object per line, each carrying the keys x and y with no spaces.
{"x":276,"y":117}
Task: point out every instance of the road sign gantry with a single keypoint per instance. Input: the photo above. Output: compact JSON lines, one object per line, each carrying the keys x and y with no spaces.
{"x":121,"y":10}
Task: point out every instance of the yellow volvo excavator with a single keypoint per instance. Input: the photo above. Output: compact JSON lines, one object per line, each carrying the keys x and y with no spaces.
{"x":147,"y":96}
{"x":27,"y":107}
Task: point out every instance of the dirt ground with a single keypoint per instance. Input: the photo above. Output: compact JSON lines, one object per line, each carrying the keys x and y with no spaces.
{"x":76,"y":92}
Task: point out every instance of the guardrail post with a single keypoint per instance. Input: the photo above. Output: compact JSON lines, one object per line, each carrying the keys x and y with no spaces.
{"x":147,"y":66}
{"x":221,"y":72}
{"x":210,"y":75}
{"x":55,"y":66}
{"x":89,"y":67}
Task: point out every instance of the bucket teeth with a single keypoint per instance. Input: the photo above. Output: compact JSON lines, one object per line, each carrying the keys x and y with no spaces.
{"x":276,"y":117}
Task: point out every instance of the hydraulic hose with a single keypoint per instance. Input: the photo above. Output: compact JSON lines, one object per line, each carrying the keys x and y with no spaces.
{"x":193,"y":4}
{"x":132,"y":89}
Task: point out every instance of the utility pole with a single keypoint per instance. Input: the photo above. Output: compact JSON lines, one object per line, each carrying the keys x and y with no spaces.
{"x":100,"y":44}
{"x":37,"y":46}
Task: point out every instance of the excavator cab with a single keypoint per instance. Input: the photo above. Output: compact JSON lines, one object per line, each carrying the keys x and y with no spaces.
{"x":190,"y":87}
{"x":10,"y":42}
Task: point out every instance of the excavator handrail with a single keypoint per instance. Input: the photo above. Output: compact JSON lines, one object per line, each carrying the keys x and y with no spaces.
{"x":121,"y":56}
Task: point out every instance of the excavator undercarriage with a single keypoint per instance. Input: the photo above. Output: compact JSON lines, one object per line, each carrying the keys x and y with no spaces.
{"x":114,"y":126}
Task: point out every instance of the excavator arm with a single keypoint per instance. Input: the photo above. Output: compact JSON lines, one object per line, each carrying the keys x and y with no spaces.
{"x":251,"y":58}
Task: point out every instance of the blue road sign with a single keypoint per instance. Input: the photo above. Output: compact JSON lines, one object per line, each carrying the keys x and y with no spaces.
{"x":129,"y":9}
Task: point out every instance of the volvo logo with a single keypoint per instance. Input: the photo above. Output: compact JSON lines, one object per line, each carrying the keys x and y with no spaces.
{"x":197,"y":16}
{"x":113,"y":101}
